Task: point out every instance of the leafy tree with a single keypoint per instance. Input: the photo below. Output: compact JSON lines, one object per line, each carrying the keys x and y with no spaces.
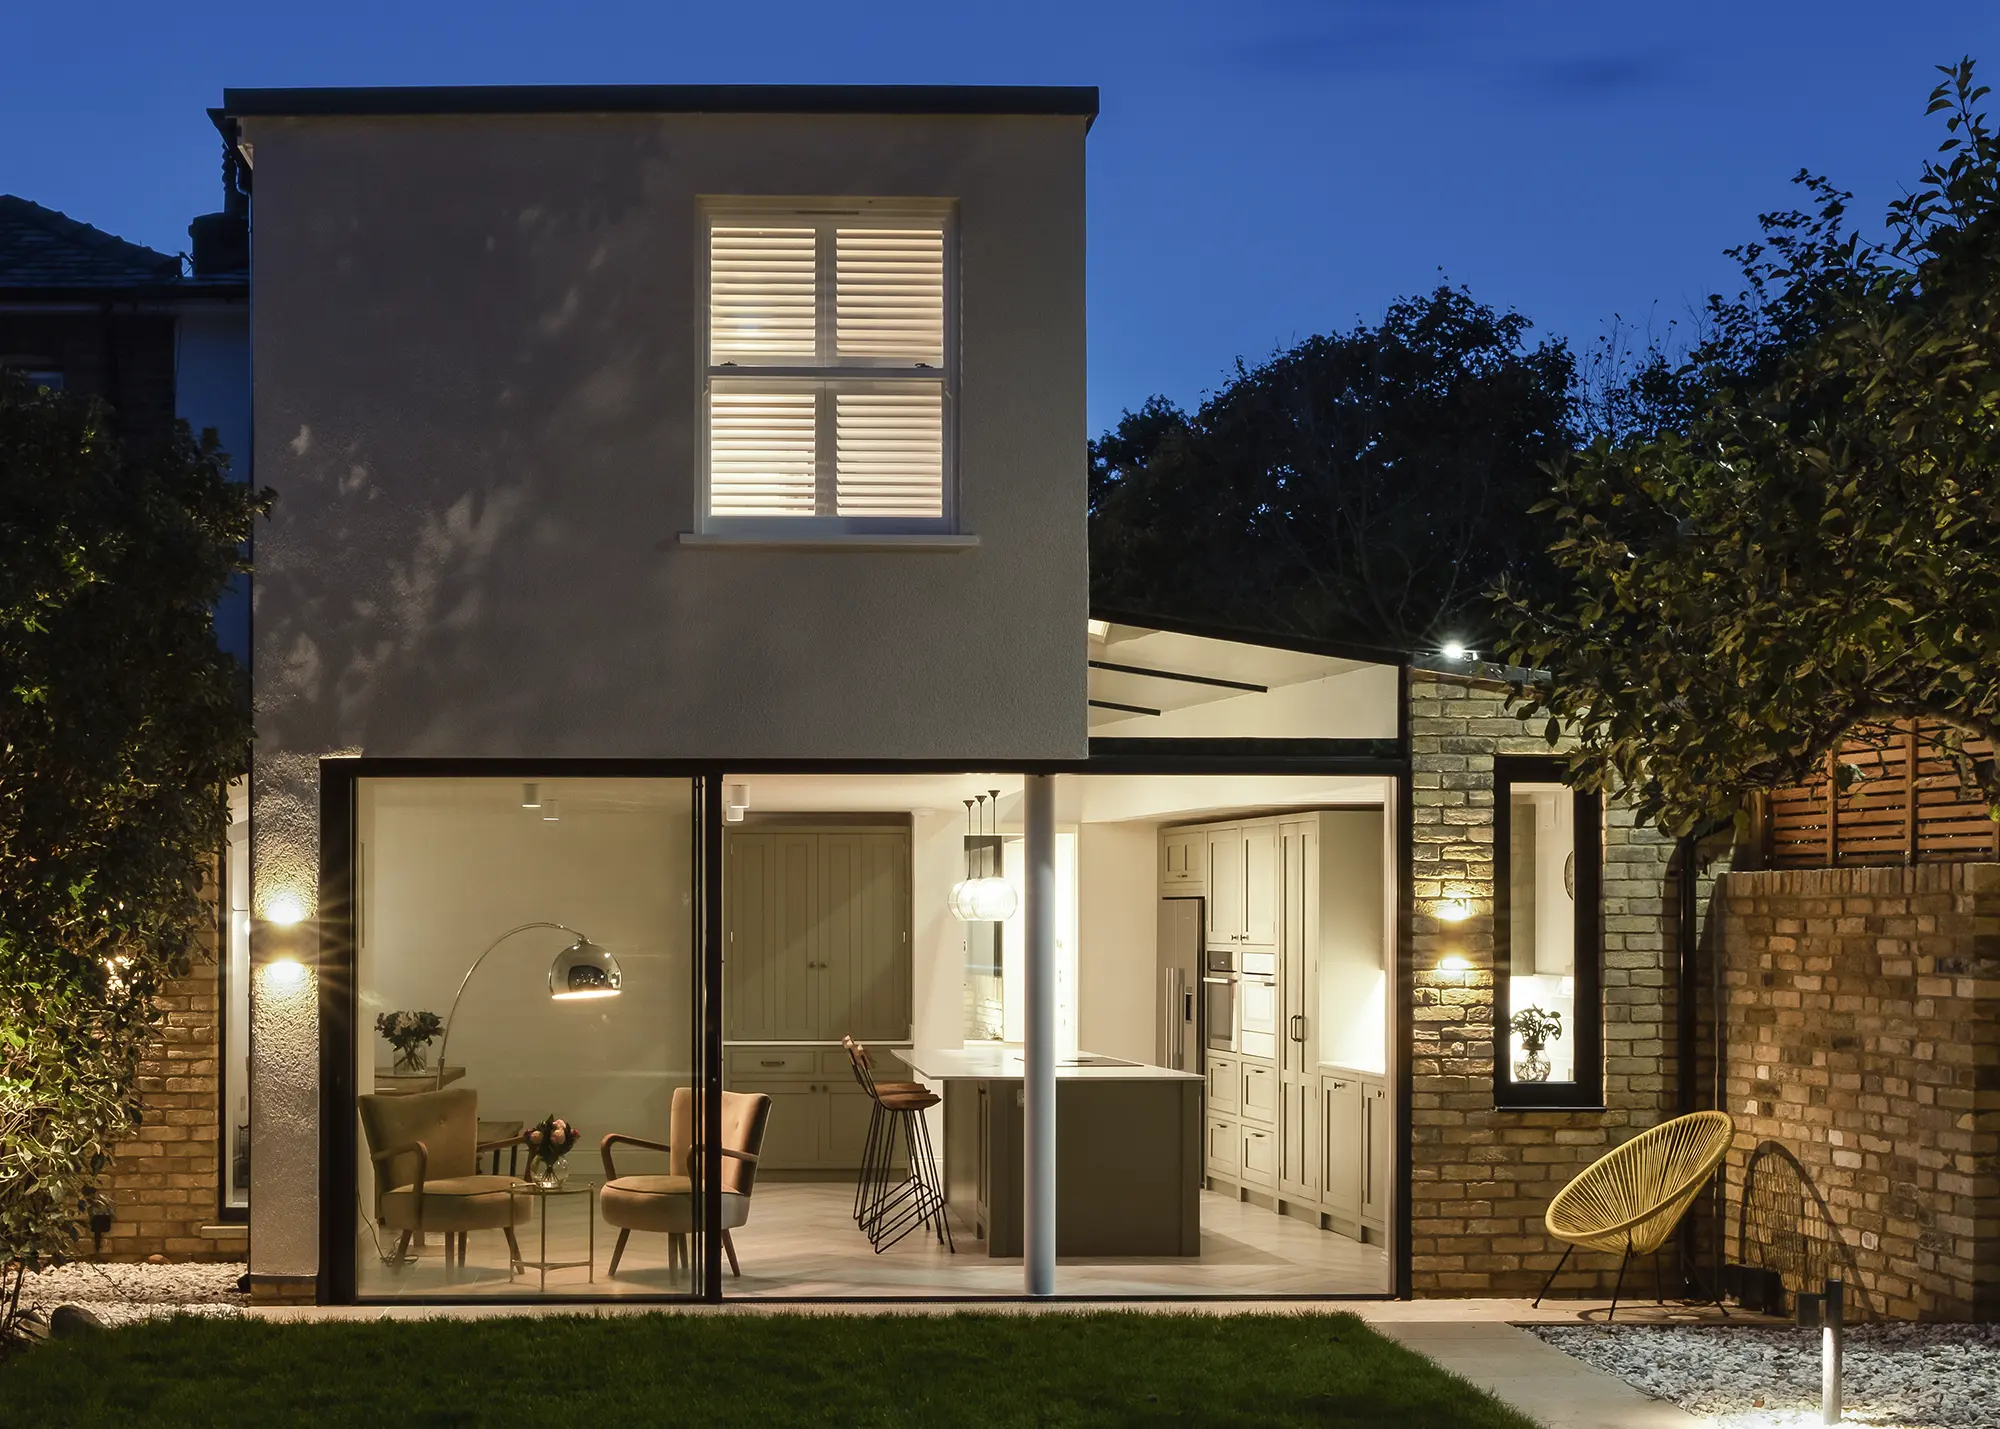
{"x":120,"y":724}
{"x":1368,"y":484}
{"x":1812,"y":541}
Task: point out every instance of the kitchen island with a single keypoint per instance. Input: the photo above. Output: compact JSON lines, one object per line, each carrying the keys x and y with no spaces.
{"x":1128,"y":1150}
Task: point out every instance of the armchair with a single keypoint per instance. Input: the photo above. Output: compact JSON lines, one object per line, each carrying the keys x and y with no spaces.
{"x":671,"y":1203}
{"x":425,"y":1151}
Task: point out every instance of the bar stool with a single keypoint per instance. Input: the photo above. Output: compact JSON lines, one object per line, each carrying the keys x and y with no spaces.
{"x":891,"y":1209}
{"x":864,"y":1075}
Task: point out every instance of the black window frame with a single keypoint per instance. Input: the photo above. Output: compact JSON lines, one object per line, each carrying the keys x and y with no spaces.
{"x":1586,"y":1092}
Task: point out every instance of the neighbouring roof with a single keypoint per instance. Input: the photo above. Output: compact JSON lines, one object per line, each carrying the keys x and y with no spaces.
{"x":1076,"y":101}
{"x":43,"y":249}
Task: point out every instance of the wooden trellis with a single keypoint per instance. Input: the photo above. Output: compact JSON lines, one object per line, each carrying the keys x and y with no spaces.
{"x":1908,"y":803}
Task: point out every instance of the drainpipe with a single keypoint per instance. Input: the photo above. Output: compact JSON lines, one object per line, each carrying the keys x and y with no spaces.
{"x":1686,"y":917}
{"x":1038,"y":1074}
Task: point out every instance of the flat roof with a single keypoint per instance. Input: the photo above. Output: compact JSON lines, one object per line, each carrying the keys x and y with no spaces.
{"x":1074,"y":101}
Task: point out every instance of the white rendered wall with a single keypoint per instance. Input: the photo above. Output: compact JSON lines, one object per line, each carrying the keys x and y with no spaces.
{"x":477,"y":394}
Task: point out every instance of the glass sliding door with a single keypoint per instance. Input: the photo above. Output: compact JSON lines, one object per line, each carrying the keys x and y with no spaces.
{"x":525,"y":986}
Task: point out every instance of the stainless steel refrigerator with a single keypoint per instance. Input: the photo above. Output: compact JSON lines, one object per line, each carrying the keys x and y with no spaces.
{"x":1181,"y":1016}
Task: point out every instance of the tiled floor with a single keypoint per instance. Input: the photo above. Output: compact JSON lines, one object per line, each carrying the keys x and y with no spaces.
{"x":802,"y":1243}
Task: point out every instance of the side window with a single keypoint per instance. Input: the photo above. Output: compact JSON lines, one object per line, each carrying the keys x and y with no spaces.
{"x":830,"y":369}
{"x":1547,"y":870}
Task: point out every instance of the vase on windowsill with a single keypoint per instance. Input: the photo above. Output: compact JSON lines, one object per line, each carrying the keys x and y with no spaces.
{"x":1534,"y":1067}
{"x":1536,"y":1027}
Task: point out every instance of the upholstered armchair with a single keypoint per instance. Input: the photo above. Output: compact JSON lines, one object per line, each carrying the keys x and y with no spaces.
{"x":670,"y":1203}
{"x":425,"y":1148}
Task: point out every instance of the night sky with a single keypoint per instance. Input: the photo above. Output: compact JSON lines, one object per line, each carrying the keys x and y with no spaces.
{"x":1262,"y":170}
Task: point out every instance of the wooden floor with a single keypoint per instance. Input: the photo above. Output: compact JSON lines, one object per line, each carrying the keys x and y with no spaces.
{"x":801,"y":1243}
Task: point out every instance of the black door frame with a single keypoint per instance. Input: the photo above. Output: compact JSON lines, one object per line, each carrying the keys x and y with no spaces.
{"x":339,"y":780}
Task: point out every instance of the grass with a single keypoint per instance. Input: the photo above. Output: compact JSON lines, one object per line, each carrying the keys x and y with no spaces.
{"x":915,"y":1370}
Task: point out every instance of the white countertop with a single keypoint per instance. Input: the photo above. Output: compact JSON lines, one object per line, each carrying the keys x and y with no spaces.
{"x":1005,"y":1064}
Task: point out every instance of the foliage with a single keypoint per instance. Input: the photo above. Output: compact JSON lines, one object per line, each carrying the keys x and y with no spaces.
{"x":407,"y":1031}
{"x":120,"y":725}
{"x":549,"y":1140}
{"x":1366,"y":485}
{"x":1811,"y":541}
{"x":1536,"y":1027}
{"x":1068,"y":1371}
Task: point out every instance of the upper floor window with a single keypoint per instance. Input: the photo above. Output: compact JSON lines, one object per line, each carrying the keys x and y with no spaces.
{"x":830,"y":368}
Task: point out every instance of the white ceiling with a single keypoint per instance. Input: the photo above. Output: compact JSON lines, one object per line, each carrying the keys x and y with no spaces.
{"x":1168,"y":655}
{"x":1080,"y":798}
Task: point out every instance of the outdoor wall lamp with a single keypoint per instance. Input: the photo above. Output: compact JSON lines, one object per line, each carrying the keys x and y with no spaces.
{"x":1454,"y":910}
{"x":1454,"y":965}
{"x":580,"y":971}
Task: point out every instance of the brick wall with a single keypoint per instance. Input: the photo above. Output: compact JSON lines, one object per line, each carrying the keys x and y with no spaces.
{"x":163,"y":1182}
{"x":1860,"y":1031}
{"x":1482,"y":1178}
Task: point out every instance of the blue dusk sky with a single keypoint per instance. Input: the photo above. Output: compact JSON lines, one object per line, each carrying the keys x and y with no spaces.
{"x":1261,"y":170}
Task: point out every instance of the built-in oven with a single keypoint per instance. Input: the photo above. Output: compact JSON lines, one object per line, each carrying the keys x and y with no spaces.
{"x":1218,"y":958}
{"x":1218,"y":1012}
{"x":1257,"y":1002}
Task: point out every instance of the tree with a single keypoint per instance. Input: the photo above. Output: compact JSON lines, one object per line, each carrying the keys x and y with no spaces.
{"x":1367,"y":485}
{"x":1814,"y":543}
{"x":121,"y":723}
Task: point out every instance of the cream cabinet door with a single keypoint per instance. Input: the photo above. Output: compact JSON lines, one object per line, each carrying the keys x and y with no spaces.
{"x":1224,"y":869}
{"x":1259,"y":918}
{"x":1183,"y":862}
{"x":1340,"y":1146}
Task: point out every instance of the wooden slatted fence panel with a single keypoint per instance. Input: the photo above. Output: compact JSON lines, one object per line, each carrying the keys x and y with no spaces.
{"x":1908,"y":805}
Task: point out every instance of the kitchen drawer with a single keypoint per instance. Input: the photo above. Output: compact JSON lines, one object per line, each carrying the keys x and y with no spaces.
{"x":1260,"y":1157}
{"x":1224,"y":1153}
{"x":1260,"y":1094}
{"x":742,"y":1062}
{"x":1225,"y":1088}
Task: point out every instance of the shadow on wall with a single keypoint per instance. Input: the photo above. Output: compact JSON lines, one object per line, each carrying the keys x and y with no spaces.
{"x":477,"y":352}
{"x":1785,"y":1231}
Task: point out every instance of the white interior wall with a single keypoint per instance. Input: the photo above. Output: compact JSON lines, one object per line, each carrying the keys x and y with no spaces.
{"x":449,"y":865}
{"x":1353,"y":940}
{"x":1117,"y":929}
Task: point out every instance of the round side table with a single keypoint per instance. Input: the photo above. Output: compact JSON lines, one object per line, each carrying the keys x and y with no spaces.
{"x":543,"y":1195}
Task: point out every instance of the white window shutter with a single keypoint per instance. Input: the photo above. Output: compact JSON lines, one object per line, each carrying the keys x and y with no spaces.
{"x":889,"y":450}
{"x":889,"y":294}
{"x":761,"y":452}
{"x":761,"y":295}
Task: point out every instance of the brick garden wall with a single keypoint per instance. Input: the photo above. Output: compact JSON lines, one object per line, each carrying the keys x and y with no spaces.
{"x":1482,"y":1178}
{"x":163,"y":1183}
{"x":1860,"y":1031}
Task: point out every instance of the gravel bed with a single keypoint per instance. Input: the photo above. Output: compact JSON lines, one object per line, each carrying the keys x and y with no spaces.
{"x":1894,"y":1376}
{"x":121,"y":1294}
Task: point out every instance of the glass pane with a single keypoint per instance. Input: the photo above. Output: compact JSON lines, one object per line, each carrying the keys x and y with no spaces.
{"x":1541,"y":932}
{"x":524,"y":955}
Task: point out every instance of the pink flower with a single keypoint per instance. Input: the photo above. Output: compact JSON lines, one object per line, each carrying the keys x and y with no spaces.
{"x":535,"y":1136}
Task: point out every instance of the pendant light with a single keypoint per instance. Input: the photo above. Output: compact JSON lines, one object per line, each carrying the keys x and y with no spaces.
{"x":960,"y":900}
{"x":985,"y":897}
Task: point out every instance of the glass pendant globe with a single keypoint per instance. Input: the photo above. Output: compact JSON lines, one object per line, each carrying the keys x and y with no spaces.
{"x":960,"y":901}
{"x":993,"y":900}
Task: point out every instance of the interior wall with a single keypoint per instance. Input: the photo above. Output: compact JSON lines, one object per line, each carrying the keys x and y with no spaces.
{"x":1117,"y":928}
{"x":449,"y":865}
{"x":1354,"y":943}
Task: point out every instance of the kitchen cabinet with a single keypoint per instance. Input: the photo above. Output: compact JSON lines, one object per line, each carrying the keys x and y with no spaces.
{"x":1223,"y":1156}
{"x":819,"y":1118}
{"x":1298,"y":1141}
{"x":1377,"y":1154}
{"x":1225,"y":1091}
{"x":1183,"y":863}
{"x":1298,"y":1007}
{"x":1340,"y":1146}
{"x":817,"y":938}
{"x":1260,"y":1157}
{"x":1241,"y":885}
{"x":1260,"y":1094}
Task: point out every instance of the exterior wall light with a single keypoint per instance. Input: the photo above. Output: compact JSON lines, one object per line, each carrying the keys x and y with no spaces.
{"x":1454,"y":910}
{"x":1454,"y":964}
{"x":285,"y":974}
{"x":286,"y":909}
{"x":1455,"y":650}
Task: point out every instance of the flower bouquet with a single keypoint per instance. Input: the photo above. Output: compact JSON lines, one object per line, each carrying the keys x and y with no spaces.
{"x":548,"y":1151}
{"x":409,"y":1033}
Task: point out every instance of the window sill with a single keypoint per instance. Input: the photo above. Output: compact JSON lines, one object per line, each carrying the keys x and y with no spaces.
{"x":851,"y":541}
{"x":1511,"y":1106}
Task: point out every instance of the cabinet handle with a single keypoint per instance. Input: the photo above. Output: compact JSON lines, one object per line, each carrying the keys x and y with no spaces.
{"x":772,"y":1062}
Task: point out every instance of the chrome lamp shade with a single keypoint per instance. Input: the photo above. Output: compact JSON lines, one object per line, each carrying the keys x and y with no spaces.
{"x":584,"y":970}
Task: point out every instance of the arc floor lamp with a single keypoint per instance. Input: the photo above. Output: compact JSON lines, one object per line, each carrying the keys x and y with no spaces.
{"x":580,"y":971}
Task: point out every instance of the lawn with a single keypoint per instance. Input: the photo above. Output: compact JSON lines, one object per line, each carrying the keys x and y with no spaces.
{"x":986,"y":1370}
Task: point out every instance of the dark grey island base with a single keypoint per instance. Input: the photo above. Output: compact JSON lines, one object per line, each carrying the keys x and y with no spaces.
{"x":1128,"y":1152}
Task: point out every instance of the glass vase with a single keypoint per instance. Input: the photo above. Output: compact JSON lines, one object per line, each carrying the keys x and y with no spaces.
{"x":549,"y":1175}
{"x":1532,"y":1068}
{"x":411,"y":1059}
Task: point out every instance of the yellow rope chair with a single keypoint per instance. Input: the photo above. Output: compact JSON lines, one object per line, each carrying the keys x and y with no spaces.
{"x":1628,"y":1202}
